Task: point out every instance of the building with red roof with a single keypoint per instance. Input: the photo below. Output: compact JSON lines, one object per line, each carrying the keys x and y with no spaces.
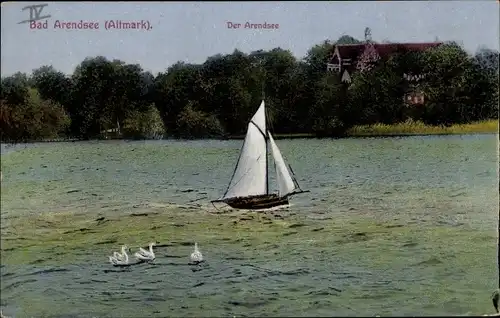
{"x":350,"y":58}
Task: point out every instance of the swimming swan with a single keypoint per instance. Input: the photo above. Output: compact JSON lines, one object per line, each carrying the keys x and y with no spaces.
{"x":196,"y":256}
{"x":144,"y":255}
{"x":123,"y":260}
{"x":121,"y":256}
{"x":147,"y":253}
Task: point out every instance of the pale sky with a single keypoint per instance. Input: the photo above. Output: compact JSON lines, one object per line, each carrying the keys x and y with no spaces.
{"x":193,"y":31}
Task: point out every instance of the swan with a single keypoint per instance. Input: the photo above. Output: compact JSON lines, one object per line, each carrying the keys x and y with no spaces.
{"x":113,"y":260}
{"x":123,"y":260}
{"x":196,"y":256}
{"x":147,"y":253}
{"x":121,"y":256}
{"x":144,"y":255}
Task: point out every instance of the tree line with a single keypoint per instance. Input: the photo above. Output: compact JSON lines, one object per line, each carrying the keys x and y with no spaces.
{"x":218,"y":97}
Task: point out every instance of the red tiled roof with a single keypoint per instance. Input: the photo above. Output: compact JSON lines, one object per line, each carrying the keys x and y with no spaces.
{"x":387,"y":49}
{"x":352,"y":51}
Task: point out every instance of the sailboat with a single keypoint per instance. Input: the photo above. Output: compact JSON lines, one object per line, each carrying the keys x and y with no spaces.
{"x":249,"y":185}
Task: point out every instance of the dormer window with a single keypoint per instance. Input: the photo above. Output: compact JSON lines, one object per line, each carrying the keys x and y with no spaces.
{"x":346,"y":62}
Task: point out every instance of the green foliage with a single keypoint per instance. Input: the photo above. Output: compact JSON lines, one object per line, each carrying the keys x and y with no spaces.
{"x":34,"y":119}
{"x":193,"y":123}
{"x":347,"y":39}
{"x":328,"y":106}
{"x":218,"y":97}
{"x":14,"y":89}
{"x":146,"y":124}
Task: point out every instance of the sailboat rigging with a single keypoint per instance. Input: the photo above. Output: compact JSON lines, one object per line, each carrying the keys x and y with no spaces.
{"x":249,"y":184}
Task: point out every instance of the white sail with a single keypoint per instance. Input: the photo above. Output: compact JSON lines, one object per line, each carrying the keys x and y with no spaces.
{"x":250,"y":176}
{"x":283,"y":177}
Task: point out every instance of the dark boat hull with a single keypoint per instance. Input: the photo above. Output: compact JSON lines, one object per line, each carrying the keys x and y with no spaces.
{"x":257,"y":202}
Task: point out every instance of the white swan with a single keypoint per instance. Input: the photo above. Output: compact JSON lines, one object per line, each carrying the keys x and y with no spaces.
{"x":196,"y":256}
{"x":123,"y":260}
{"x":144,"y":255}
{"x":121,"y":256}
{"x":147,"y":253}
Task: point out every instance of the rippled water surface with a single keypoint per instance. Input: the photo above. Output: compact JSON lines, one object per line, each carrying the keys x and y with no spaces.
{"x":392,"y":226}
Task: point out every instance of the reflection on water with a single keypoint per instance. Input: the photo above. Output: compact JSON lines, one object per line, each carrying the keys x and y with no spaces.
{"x":392,"y":226}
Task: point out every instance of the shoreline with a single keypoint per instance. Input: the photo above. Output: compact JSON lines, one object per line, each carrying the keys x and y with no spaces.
{"x":276,"y":137}
{"x":361,"y":131}
{"x":365,"y":135}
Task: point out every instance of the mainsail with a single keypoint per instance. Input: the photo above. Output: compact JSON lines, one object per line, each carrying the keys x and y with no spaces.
{"x":250,"y":176}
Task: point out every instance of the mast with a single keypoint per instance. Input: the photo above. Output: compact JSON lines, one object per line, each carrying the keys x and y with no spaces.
{"x":266,"y":133}
{"x":267,"y":166}
{"x":498,"y":243}
{"x":266,"y":137}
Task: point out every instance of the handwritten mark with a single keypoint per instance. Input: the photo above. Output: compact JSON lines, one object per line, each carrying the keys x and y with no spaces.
{"x":35,"y":12}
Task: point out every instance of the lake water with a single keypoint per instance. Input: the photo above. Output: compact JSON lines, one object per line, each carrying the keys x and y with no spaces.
{"x":391,"y":226}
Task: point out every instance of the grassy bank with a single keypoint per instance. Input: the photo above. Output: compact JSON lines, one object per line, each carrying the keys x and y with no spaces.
{"x":409,"y":128}
{"x":419,"y":128}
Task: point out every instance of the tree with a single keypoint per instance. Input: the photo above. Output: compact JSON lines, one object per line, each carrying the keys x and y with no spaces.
{"x":327,"y":110}
{"x":14,"y":89}
{"x":173,"y":90}
{"x":347,"y":39}
{"x":34,"y":119}
{"x":196,"y":124}
{"x":144,"y":124}
{"x":449,"y":85}
{"x":92,"y":97}
{"x":317,"y":57}
{"x":52,"y":85}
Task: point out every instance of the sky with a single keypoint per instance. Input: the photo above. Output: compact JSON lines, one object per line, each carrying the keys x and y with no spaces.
{"x":193,"y":31}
